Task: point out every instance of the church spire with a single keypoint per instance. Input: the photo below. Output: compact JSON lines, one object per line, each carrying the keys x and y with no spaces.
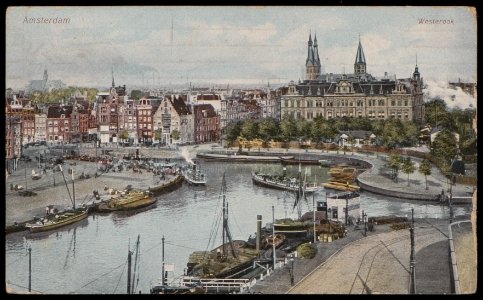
{"x":112,"y":73}
{"x":416,"y":74}
{"x":312,"y":64}
{"x":316,"y":51}
{"x":310,"y":52}
{"x":360,"y":63}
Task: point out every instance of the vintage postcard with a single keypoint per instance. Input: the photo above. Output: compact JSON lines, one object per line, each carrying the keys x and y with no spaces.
{"x":241,"y":150}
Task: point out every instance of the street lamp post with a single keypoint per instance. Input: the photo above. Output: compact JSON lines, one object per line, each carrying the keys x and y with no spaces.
{"x":412,"y":286}
{"x":292,"y":280}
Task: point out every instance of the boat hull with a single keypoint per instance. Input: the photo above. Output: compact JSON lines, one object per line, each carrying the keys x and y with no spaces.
{"x":170,"y":186}
{"x":271,"y":184}
{"x":134,"y":204}
{"x":232,"y":269}
{"x":342,"y":187}
{"x":47,"y":227}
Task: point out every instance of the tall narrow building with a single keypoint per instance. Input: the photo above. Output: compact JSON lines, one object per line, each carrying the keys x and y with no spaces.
{"x":360,"y":63}
{"x":312,"y":63}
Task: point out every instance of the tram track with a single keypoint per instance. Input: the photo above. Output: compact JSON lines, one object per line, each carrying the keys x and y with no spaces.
{"x":360,"y":274}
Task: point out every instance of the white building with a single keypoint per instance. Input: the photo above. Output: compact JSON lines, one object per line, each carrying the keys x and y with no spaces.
{"x":40,"y":125}
{"x":338,"y":203}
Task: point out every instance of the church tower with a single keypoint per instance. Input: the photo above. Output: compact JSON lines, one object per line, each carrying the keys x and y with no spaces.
{"x":416,"y":75}
{"x":360,"y":63}
{"x":46,"y":80}
{"x":312,"y":63}
{"x":417,"y":91}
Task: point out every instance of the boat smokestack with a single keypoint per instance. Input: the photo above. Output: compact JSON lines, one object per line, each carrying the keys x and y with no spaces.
{"x":259,"y":231}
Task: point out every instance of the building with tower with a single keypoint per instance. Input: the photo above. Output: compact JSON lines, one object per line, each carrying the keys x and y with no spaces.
{"x":356,"y":95}
{"x":312,"y":63}
{"x":44,"y":85}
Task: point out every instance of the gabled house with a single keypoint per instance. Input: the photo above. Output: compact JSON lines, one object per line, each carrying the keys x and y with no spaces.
{"x":206,"y":124}
{"x":173,"y":114}
{"x":59,"y":123}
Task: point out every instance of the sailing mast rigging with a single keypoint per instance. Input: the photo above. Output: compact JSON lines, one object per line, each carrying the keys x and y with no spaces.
{"x":68,"y":191}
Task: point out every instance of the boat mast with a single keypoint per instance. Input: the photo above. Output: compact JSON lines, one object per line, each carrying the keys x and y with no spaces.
{"x":313,"y":207}
{"x":135,"y":265}
{"x":162,"y":263}
{"x":73,"y":189}
{"x":65,"y":181}
{"x":299,"y":193}
{"x":129,"y":253}
{"x":30,"y":268}
{"x":226,"y":230}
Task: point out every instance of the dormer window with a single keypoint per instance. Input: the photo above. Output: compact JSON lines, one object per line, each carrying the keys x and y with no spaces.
{"x":62,"y":116}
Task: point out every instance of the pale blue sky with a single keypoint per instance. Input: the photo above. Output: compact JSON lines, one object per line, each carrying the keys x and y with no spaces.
{"x":230,"y":45}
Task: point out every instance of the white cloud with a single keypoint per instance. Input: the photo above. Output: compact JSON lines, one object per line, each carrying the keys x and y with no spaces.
{"x":231,"y":43}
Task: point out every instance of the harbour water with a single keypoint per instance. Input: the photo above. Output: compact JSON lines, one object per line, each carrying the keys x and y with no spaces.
{"x":91,"y":257}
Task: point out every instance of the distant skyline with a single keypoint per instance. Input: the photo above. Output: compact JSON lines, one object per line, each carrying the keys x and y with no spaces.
{"x":233,"y":45}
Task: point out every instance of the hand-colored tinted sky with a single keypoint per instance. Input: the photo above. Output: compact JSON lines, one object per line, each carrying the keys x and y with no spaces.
{"x":230,"y":45}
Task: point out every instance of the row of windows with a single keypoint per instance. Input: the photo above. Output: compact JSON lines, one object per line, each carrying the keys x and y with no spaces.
{"x":208,"y":121}
{"x":206,"y":128}
{"x":330,"y":114}
{"x":349,"y":103}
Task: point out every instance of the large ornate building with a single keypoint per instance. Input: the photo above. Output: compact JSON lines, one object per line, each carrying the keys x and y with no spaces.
{"x":354,"y":95}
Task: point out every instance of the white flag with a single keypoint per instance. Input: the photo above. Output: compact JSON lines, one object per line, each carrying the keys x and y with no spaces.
{"x":169,"y":267}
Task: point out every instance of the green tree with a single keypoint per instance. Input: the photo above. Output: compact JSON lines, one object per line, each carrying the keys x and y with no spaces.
{"x":175,"y":134}
{"x":249,"y":129}
{"x":268,"y":129}
{"x":407,"y":166}
{"x":436,"y":113}
{"x":341,"y":124}
{"x":444,"y":145}
{"x":136,"y":94}
{"x":463,"y":120}
{"x":233,"y":131}
{"x":469,"y":146}
{"x":425,"y":169}
{"x":392,"y":133}
{"x":288,"y":127}
{"x":303,"y":128}
{"x":157,"y":134}
{"x":316,"y":129}
{"x":398,"y":133}
{"x":328,"y":131}
{"x":124,"y":135}
{"x":395,"y":164}
{"x":361,"y":124}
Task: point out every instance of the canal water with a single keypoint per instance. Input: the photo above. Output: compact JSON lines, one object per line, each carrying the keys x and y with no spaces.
{"x":90,"y":257}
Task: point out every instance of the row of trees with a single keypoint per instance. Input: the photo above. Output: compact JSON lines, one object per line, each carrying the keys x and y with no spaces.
{"x":407,"y":166}
{"x":391,"y":133}
{"x":56,"y":95}
{"x":175,"y":135}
